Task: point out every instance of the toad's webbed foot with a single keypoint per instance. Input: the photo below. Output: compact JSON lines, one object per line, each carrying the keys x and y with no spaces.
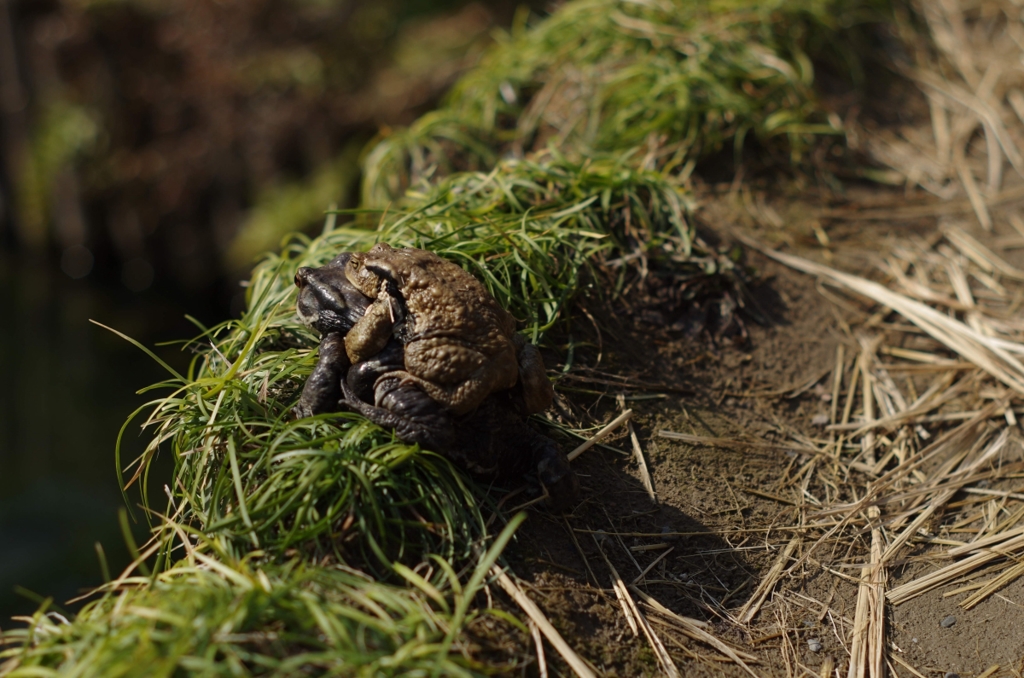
{"x":323,"y":388}
{"x":414,"y":417}
{"x":554,"y":473}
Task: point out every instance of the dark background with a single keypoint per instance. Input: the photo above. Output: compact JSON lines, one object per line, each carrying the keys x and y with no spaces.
{"x":151,"y":149}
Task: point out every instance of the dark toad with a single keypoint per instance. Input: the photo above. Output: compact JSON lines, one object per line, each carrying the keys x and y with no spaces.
{"x":492,"y":441}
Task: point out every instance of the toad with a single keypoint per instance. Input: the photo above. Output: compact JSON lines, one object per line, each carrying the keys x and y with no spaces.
{"x":459,"y":344}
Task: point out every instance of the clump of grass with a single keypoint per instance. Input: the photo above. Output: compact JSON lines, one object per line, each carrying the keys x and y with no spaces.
{"x":668,"y":80}
{"x":535,"y":231}
{"x":250,"y":477}
{"x":217,"y":616}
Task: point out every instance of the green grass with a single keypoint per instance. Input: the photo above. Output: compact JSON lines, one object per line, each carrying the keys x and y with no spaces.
{"x":215,"y":616}
{"x":667,"y":81}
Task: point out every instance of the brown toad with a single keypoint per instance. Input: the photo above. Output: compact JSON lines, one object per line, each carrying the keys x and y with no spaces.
{"x":460,"y":345}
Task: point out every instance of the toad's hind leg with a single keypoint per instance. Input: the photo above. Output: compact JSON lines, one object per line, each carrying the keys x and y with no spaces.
{"x":414,"y":417}
{"x":458,"y":398}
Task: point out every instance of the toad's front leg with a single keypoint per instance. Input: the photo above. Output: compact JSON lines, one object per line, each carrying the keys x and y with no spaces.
{"x":322,"y":390}
{"x":371,"y":333}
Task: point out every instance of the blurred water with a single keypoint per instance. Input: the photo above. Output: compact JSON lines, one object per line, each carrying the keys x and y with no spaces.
{"x":66,"y":387}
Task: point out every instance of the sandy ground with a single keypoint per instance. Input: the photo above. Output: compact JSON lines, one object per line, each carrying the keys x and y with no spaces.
{"x":722,"y":513}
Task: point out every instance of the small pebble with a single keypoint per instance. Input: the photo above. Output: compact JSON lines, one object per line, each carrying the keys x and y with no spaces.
{"x":820,"y":419}
{"x":814,"y":645}
{"x":947,"y":622}
{"x":950,"y":674}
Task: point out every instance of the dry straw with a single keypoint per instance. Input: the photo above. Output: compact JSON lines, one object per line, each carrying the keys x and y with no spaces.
{"x":907,"y":468}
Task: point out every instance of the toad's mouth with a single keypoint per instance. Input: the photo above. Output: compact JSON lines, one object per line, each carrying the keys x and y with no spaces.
{"x":307,"y":310}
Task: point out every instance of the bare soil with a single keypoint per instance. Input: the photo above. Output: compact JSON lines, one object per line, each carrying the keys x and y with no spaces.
{"x":724,"y":511}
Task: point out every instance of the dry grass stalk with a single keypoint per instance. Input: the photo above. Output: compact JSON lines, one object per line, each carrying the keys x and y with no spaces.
{"x":645,"y":474}
{"x":945,"y":575}
{"x":601,"y":435}
{"x":685,"y":622}
{"x":636,"y":618}
{"x":538,"y":642}
{"x":710,"y":441}
{"x":575,"y":662}
{"x":868,"y":349}
{"x":650,"y":567}
{"x":867,"y":645}
{"x":988,"y":353}
{"x":695,"y":629}
{"x":747,"y":613}
{"x":837,"y":384}
{"x":638,"y":452}
{"x":622,"y":597}
{"x":987,"y":542}
{"x":1006,"y":577}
